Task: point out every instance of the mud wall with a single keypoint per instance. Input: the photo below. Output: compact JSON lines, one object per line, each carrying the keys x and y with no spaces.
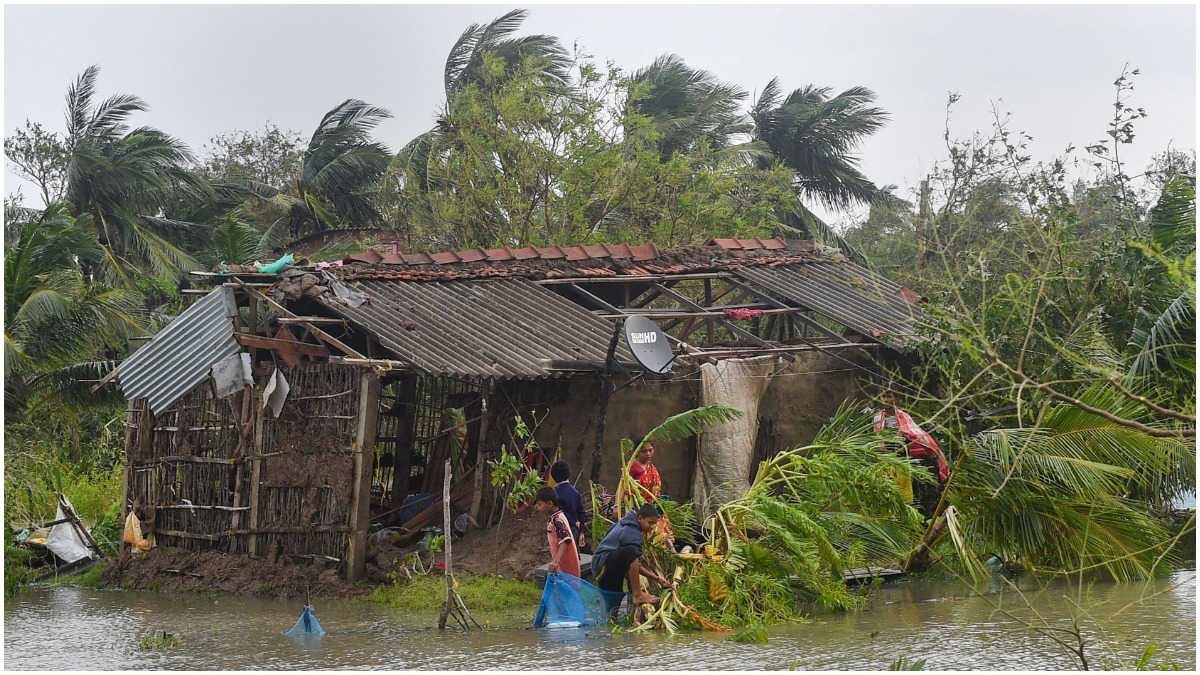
{"x":569,"y":412}
{"x":802,"y":395}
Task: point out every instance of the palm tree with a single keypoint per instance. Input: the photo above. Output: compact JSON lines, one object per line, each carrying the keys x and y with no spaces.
{"x":56,"y":320}
{"x":811,"y":132}
{"x":122,"y":181}
{"x":465,"y":68}
{"x":341,"y":168}
{"x":814,"y":134}
{"x":1071,"y":493}
{"x":465,"y":63}
{"x":685,"y":105}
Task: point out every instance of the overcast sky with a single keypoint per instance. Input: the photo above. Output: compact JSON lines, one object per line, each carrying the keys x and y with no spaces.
{"x":205,"y":70}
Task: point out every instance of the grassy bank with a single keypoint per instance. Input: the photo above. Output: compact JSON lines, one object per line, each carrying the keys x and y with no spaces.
{"x":480,"y":593}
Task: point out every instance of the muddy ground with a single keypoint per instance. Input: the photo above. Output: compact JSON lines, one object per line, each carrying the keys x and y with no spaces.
{"x":513,"y":549}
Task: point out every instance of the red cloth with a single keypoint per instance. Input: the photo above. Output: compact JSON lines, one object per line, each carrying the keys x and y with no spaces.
{"x":647,"y":476}
{"x":920,"y":443}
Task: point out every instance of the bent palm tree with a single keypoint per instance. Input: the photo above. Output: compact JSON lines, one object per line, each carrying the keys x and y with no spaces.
{"x":465,"y":67}
{"x":341,"y":166}
{"x":685,"y":105}
{"x":1058,"y":497}
{"x":814,"y":134}
{"x":123,"y":181}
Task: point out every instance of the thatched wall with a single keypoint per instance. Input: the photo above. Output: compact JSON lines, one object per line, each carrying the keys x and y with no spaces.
{"x":252,"y":483}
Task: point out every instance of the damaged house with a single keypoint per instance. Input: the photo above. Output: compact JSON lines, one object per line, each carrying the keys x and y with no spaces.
{"x":283,"y":414}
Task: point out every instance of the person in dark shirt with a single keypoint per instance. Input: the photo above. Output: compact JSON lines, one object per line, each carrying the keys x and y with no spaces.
{"x":569,"y":500}
{"x":618,"y":559}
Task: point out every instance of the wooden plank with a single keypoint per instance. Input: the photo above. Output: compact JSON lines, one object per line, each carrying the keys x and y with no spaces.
{"x":217,"y":536}
{"x":364,"y":451}
{"x":311,"y":319}
{"x":280,"y":345}
{"x":458,"y":496}
{"x":406,"y":430}
{"x":103,"y":381}
{"x":255,"y":482}
{"x":683,"y":300}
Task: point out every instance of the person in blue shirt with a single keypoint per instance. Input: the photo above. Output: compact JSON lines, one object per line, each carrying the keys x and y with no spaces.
{"x":618,"y":558}
{"x":569,"y":500}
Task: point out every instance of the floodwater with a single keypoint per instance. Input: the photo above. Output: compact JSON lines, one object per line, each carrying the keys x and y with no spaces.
{"x":64,"y":628}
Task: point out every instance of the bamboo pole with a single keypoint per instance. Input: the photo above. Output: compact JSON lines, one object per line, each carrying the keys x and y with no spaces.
{"x":449,"y":604}
{"x":364,"y":450}
{"x":480,"y":464}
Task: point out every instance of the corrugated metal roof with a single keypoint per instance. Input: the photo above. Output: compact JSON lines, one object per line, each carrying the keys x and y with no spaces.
{"x":181,"y":355}
{"x":851,"y":295}
{"x":503,"y":328}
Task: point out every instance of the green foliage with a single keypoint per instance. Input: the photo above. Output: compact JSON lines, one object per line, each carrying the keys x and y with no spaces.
{"x":40,"y":157}
{"x":1144,"y":661}
{"x":480,"y":593}
{"x":157,"y":641}
{"x":750,"y":634}
{"x":811,"y":513}
{"x":903,"y":663}
{"x":1057,"y":495}
{"x":510,"y":472}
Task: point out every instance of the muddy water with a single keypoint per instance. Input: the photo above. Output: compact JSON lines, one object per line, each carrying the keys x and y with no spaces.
{"x":82,"y":629}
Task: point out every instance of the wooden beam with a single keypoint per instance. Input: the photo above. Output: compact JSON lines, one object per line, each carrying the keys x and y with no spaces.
{"x":277,"y":344}
{"x":364,"y":453}
{"x":255,"y":480}
{"x":311,"y":319}
{"x":683,"y":300}
{"x":589,"y":296}
{"x":103,"y":381}
{"x":797,"y":312}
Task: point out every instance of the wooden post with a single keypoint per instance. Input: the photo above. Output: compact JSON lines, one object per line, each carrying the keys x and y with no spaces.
{"x":448,"y":535}
{"x":405,"y":435}
{"x":364,"y":449}
{"x":255,"y":481}
{"x":606,"y":392}
{"x":480,"y":462}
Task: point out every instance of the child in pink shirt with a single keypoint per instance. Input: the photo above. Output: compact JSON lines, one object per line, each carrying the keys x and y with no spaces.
{"x":564,"y":554}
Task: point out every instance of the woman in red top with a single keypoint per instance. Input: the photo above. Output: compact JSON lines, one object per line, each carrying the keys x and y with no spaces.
{"x":642,"y":470}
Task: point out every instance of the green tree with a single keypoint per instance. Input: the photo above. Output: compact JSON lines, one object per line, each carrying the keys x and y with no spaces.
{"x":120,"y":181}
{"x":270,"y":156}
{"x":39,"y":157}
{"x":685,"y":105}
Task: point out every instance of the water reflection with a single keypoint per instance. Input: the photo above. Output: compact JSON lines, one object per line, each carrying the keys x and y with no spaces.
{"x":944,"y":623}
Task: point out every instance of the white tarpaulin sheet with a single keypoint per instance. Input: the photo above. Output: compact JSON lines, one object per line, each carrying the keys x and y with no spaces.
{"x":64,"y":540}
{"x":724,"y":451}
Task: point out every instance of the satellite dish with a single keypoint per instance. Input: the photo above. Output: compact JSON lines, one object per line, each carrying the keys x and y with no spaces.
{"x":649,"y":344}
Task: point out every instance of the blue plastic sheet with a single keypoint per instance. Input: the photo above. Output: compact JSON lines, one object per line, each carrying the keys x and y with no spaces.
{"x":569,"y":602}
{"x":307,"y":624}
